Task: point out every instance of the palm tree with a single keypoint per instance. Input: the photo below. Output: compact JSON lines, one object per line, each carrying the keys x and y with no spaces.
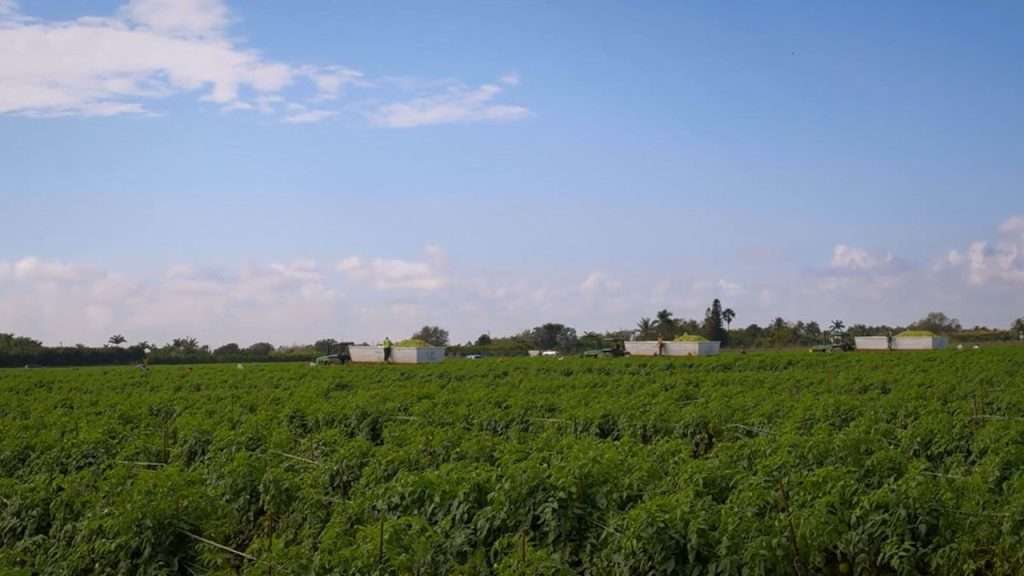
{"x":728,"y":315}
{"x":645,"y":327}
{"x":835,"y":331}
{"x":117,"y":340}
{"x":187,"y":344}
{"x":665,"y":324}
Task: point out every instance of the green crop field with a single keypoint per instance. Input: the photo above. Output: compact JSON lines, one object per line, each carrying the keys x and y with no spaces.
{"x":775,"y":463}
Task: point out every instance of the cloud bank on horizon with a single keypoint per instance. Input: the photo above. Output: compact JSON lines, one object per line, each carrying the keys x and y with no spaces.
{"x":367,"y":298}
{"x":152,"y":50}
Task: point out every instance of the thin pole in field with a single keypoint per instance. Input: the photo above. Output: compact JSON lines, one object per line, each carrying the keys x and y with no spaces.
{"x":380,"y":543}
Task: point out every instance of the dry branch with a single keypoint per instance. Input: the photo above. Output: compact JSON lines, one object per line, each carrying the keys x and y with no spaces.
{"x":216,"y":545}
{"x":294,"y":457}
{"x":749,"y":428}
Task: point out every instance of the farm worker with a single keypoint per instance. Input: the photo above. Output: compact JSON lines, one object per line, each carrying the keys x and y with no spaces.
{"x":387,"y":349}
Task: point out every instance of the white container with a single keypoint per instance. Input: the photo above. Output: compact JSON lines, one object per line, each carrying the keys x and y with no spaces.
{"x":399,"y":354}
{"x":366,"y":353}
{"x":409,"y":355}
{"x":698,"y":348}
{"x":533,"y":353}
{"x":672,"y":348}
{"x":871,"y":342}
{"x":642,"y":348}
{"x":918,"y":342}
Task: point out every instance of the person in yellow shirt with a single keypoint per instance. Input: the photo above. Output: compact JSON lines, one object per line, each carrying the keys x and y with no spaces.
{"x":387,"y":349}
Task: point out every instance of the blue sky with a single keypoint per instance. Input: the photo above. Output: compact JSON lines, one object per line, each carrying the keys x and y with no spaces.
{"x":262,"y":170}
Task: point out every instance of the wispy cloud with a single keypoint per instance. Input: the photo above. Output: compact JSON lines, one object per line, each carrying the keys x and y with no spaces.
{"x":456,"y":104}
{"x":298,"y":114}
{"x":390,"y":274}
{"x":598,"y":284}
{"x":331,"y":80}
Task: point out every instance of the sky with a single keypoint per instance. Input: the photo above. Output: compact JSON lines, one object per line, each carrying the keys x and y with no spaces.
{"x":278,"y":171}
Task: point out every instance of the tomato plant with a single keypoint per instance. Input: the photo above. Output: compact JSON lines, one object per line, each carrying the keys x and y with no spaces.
{"x":739,"y":464}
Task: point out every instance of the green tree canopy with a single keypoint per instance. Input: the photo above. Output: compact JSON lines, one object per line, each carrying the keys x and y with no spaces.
{"x":230,"y":349}
{"x":325,"y":345}
{"x":261,"y":349}
{"x":665,"y":325}
{"x":646,"y":328}
{"x":553,"y":336}
{"x":433,"y":335}
{"x":12,"y":343}
{"x":713,"y":325}
{"x":937,"y":322}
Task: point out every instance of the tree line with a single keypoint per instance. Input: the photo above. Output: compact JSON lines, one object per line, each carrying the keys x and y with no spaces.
{"x":16,"y":351}
{"x":717,"y":325}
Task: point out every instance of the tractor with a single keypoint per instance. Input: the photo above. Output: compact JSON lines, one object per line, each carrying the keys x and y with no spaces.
{"x":611,"y":348}
{"x":835,"y":340}
{"x":342,"y":356}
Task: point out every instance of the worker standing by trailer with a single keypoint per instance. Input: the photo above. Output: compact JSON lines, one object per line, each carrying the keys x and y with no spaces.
{"x":387,"y":349}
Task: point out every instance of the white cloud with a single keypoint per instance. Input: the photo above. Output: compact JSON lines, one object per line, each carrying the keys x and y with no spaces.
{"x":303,"y":115}
{"x":150,"y":50}
{"x":1013,"y":227}
{"x":282,"y":302}
{"x":351,"y":264}
{"x":301,"y":270}
{"x":391,"y":274}
{"x":153,"y":49}
{"x":999,"y":262}
{"x":850,"y":258}
{"x":598,"y":283}
{"x":729,"y":288}
{"x":8,"y":8}
{"x":330,"y":80}
{"x":188,"y":18}
{"x":369,"y":297}
{"x":58,"y":301}
{"x":457,"y":104}
{"x":858,"y":274}
{"x":34,"y":269}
